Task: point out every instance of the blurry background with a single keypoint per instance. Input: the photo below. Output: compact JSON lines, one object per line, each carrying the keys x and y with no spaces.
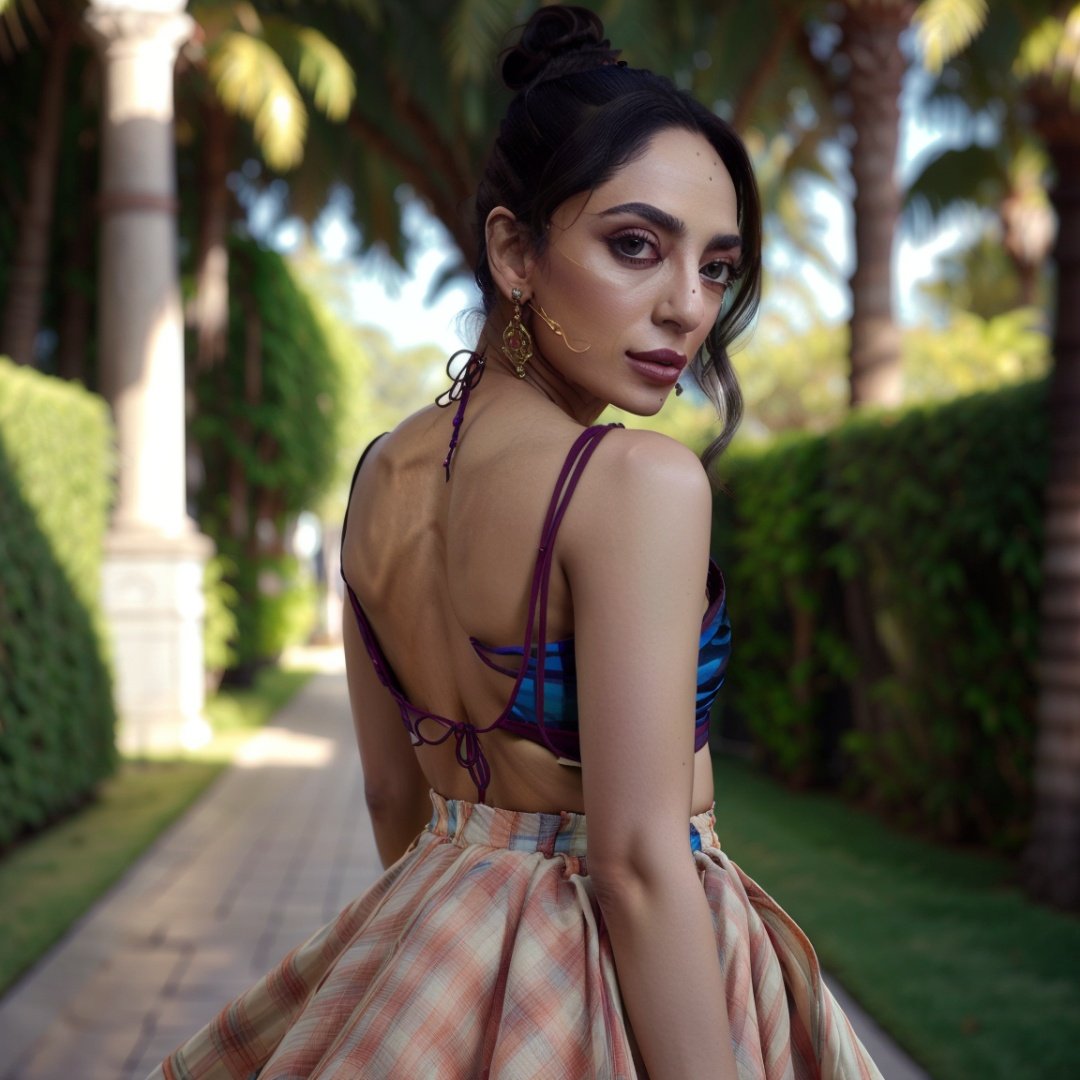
{"x":899,"y":519}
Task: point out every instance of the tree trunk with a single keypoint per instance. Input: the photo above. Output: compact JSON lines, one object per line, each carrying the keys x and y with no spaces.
{"x":871,"y":43}
{"x":1052,"y":859}
{"x":210,"y":310}
{"x":75,"y":320}
{"x":73,"y":324}
{"x":30,"y":262}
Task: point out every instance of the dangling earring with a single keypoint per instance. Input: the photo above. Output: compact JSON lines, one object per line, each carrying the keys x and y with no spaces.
{"x":678,"y":389}
{"x":555,"y":328}
{"x":516,"y":339}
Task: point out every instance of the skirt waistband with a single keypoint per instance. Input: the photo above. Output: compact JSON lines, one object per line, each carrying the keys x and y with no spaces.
{"x":561,"y":833}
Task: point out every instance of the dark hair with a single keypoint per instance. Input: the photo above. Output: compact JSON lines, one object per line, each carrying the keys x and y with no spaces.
{"x":579,"y":114}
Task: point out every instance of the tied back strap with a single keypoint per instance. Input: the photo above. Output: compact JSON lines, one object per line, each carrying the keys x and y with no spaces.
{"x":461,"y":386}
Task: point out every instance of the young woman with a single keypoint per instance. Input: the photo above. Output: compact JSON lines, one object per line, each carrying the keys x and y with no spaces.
{"x":535,"y":636}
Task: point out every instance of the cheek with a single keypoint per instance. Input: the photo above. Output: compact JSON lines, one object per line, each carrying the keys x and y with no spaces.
{"x":705,"y":330}
{"x":588,"y":293}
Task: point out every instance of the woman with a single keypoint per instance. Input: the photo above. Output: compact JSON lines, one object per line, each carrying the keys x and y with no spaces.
{"x":533,"y":596}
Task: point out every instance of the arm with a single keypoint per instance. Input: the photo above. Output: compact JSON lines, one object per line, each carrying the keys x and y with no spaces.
{"x":395,"y":789}
{"x":636,"y":561}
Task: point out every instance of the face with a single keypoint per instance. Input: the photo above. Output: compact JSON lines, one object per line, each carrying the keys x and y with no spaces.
{"x":634,"y":272}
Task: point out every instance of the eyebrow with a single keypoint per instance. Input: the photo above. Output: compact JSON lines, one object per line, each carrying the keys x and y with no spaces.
{"x":669,"y":223}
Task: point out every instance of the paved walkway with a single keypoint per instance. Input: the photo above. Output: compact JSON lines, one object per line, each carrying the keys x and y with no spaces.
{"x":272,"y":851}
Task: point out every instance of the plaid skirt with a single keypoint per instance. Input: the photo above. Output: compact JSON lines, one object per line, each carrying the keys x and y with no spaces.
{"x":482,"y":953}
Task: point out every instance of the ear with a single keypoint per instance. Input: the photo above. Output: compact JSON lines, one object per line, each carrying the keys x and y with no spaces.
{"x":509,"y":252}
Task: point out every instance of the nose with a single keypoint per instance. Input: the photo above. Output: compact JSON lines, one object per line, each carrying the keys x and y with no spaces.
{"x":682,"y":305}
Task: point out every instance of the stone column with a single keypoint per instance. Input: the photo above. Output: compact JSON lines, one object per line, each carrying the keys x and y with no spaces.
{"x":154,"y":553}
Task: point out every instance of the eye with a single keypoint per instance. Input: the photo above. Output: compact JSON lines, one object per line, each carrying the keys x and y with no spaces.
{"x":634,"y":247}
{"x":719,"y":272}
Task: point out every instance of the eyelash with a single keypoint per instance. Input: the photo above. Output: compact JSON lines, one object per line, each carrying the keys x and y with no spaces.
{"x":633,"y":234}
{"x":733,"y":271}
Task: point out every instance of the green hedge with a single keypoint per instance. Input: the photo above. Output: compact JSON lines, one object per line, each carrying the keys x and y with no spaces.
{"x":56,"y":712}
{"x":883,"y":581}
{"x":267,"y":427}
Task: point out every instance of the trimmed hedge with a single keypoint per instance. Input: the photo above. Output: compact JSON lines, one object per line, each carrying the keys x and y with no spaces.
{"x":57,"y":719}
{"x":884,"y":585}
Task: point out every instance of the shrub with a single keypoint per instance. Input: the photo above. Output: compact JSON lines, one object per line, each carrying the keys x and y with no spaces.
{"x":219,"y":622}
{"x":884,"y":583}
{"x":57,"y":720}
{"x":771,"y":540}
{"x":268,"y":430}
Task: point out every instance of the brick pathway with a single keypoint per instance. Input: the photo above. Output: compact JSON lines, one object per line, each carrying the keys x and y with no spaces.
{"x":273,"y":850}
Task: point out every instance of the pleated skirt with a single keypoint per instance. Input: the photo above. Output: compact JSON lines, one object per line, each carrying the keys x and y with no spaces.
{"x":481,"y":953}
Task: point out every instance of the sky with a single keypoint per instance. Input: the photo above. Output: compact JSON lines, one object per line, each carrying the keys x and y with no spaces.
{"x":382,"y":295}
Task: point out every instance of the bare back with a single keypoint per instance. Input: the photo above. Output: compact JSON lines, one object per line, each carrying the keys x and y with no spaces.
{"x":436,"y":563}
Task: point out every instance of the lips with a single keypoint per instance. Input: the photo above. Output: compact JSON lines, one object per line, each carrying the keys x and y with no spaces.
{"x":660,"y":365}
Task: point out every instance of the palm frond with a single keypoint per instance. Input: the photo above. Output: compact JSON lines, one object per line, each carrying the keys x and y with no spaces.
{"x":1039,"y":49}
{"x":251,"y":81}
{"x":945,"y":28}
{"x":475,"y":34}
{"x":320,"y":66}
{"x":324,"y":71}
{"x":1052,"y":51}
{"x":952,"y":179}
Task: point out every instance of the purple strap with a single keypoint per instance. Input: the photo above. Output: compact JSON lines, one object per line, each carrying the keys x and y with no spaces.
{"x":467,"y":748}
{"x":573,"y":467}
{"x":461,"y":386}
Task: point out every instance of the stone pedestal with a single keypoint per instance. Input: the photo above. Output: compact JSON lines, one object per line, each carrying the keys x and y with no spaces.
{"x":154,"y":553}
{"x":152,"y":591}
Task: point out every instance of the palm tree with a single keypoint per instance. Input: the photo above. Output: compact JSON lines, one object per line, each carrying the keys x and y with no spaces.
{"x":56,"y":23}
{"x":428,"y":101}
{"x":1009,"y":178}
{"x":864,"y":73}
{"x":1006,"y":175}
{"x":252,"y":66}
{"x":1052,"y":861}
{"x":1048,"y":74}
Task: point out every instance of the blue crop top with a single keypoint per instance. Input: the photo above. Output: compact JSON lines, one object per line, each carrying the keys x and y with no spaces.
{"x":542,"y":705}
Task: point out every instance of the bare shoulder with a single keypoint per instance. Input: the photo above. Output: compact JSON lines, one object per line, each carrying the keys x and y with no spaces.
{"x":639,"y":486}
{"x":631,"y":466}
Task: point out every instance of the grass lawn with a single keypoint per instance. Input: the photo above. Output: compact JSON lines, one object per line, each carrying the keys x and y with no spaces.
{"x":973,"y":980}
{"x":50,"y":880}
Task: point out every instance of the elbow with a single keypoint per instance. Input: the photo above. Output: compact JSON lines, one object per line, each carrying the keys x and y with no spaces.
{"x":613,"y":889}
{"x":653,"y":869}
{"x":622,"y":884}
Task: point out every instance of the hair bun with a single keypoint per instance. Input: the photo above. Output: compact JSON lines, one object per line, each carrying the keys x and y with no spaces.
{"x":557,"y":40}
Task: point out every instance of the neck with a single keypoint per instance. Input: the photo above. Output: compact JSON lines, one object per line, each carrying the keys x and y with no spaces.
{"x":542,"y":378}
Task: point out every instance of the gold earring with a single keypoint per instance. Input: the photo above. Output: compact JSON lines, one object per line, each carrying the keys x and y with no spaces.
{"x":555,"y":328}
{"x":516,"y":339}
